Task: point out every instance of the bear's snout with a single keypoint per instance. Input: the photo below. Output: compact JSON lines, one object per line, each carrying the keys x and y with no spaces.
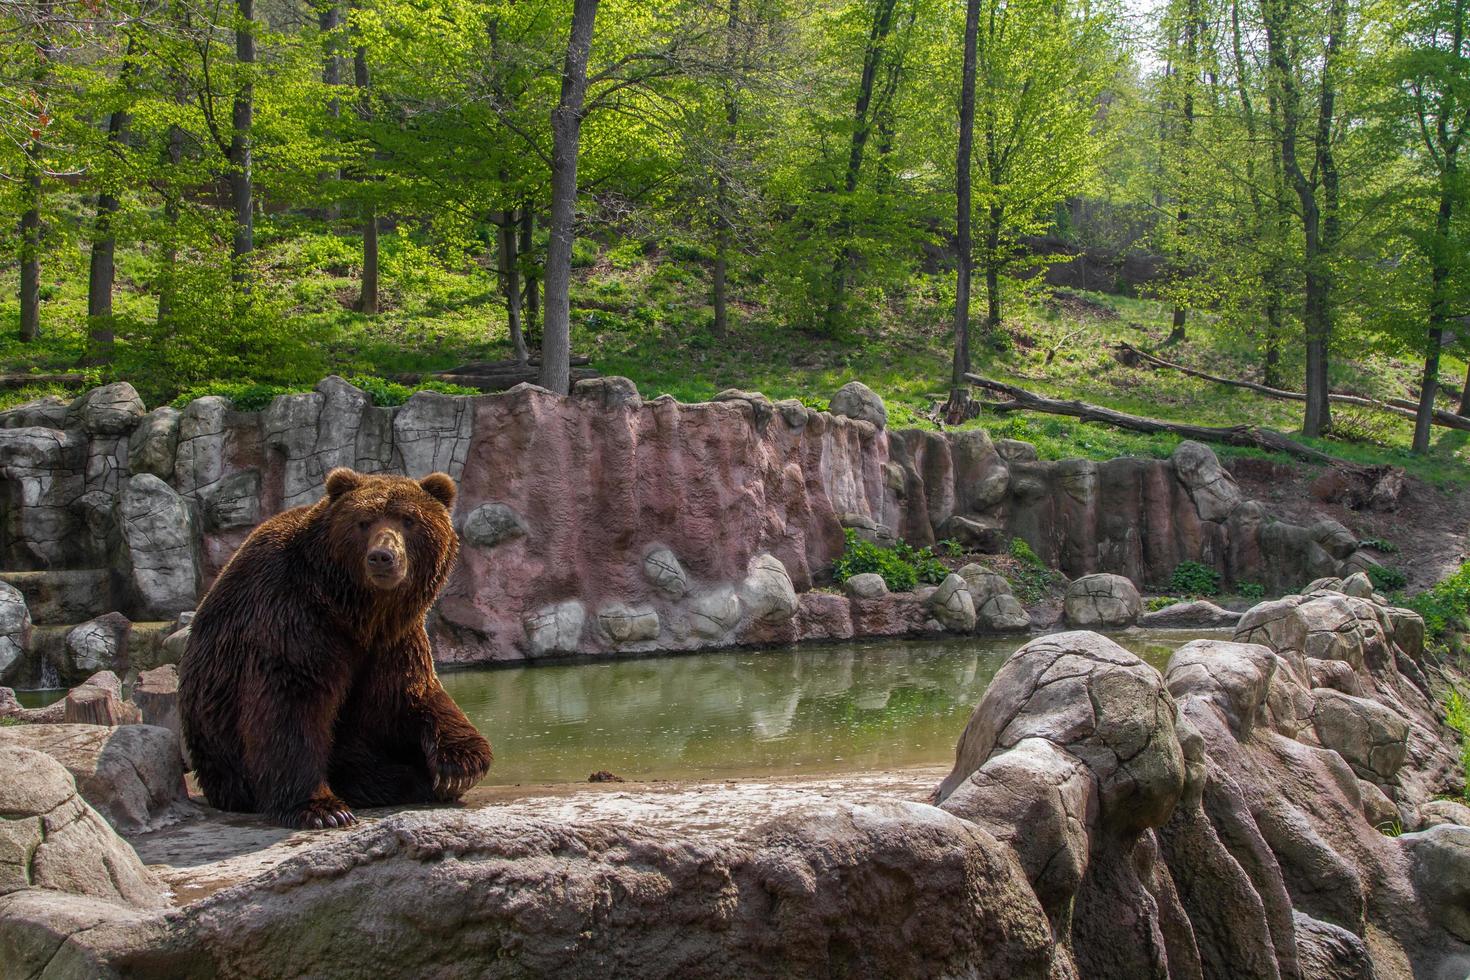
{"x":386,"y":560}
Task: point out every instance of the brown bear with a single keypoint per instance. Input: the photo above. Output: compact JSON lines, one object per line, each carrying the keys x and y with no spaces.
{"x":307,"y":686}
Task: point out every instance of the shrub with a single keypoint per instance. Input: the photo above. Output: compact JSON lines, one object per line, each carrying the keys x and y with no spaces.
{"x":1021,"y":551}
{"x":1155,"y":603}
{"x":1192,"y":578}
{"x":861,"y":556}
{"x":246,"y":396}
{"x":1379,"y":544}
{"x":386,"y":394}
{"x":929,"y":569}
{"x":1446,"y":606}
{"x":1386,"y":579}
{"x":1457,"y":716}
{"x":1250,"y":590}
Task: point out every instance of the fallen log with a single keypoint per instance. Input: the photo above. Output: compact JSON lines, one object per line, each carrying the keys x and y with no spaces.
{"x":1235,"y":435}
{"x":1397,"y":406}
{"x":23,"y":380}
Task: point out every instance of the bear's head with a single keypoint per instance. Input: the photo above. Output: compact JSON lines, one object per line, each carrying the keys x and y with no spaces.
{"x":391,"y":532}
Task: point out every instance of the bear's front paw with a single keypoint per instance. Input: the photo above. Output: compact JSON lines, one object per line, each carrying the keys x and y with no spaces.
{"x":319,"y":813}
{"x":456,"y":766}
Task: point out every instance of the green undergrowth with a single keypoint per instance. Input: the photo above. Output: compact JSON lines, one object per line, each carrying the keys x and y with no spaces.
{"x":1030,"y":577}
{"x":640,"y":308}
{"x":901,"y":566}
{"x":1457,"y":716}
{"x":1445,"y":606}
{"x":1193,"y":579}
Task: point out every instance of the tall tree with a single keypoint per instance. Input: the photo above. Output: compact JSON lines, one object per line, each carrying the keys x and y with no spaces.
{"x":959,"y":387}
{"x":566,"y":130}
{"x":242,"y":183}
{"x":102,"y":267}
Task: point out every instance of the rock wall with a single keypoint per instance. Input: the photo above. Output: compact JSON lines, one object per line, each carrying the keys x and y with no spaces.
{"x":599,"y":522}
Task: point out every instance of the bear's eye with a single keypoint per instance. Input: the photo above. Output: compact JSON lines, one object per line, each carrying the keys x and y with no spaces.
{"x":407,"y":523}
{"x":364,"y":525}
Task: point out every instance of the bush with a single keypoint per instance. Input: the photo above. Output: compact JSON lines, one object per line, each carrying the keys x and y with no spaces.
{"x":1021,"y":551}
{"x":1457,"y":716}
{"x":1192,"y":578}
{"x":1446,"y":606}
{"x":1386,"y":579}
{"x":860,"y":557}
{"x":1155,"y":603}
{"x":246,"y":396}
{"x":386,"y":394}
{"x":1250,"y":590}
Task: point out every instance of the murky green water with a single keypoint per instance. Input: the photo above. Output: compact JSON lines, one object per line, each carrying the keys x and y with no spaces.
{"x":815,"y":709}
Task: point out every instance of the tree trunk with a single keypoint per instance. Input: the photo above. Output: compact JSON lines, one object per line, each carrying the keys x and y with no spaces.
{"x":1191,"y":60}
{"x":566,"y":130}
{"x":242,"y":120}
{"x":532,"y":305}
{"x":722,"y":181}
{"x":174,"y":151}
{"x":102,"y":270}
{"x":1439,"y":315}
{"x":367,"y":300}
{"x":508,"y":263}
{"x":959,"y":393}
{"x":30,"y":251}
{"x":993,"y":263}
{"x":330,"y":20}
{"x":872,"y":55}
{"x":1465,"y":395}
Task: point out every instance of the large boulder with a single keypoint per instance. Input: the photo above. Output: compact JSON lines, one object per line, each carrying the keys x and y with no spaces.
{"x":856,"y":400}
{"x":133,"y":775}
{"x":767,"y":593}
{"x":953,"y":606}
{"x":491,"y":524}
{"x":865,"y":585}
{"x":1210,"y":485}
{"x":50,"y":838}
{"x":112,"y":410}
{"x":1102,"y":600}
{"x":153,"y":446}
{"x":1195,"y":614}
{"x":15,"y":631}
{"x":159,"y":555}
{"x":1371,"y":737}
{"x":97,"y":644}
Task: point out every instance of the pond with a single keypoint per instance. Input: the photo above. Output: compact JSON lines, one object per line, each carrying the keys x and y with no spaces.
{"x":794,"y":710}
{"x":827,"y":708}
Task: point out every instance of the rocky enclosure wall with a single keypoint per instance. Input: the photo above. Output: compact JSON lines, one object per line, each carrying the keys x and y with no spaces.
{"x":599,"y":521}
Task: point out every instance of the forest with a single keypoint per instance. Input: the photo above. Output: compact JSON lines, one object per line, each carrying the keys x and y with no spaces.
{"x":1072,"y":197}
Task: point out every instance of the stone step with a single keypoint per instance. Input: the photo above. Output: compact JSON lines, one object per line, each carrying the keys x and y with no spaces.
{"x":69,"y":596}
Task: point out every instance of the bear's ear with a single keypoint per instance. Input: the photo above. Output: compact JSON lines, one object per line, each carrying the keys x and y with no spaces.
{"x":342,"y":480}
{"x":440,"y":486}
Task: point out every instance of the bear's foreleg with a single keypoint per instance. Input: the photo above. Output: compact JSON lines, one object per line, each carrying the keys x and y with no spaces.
{"x":457,"y":754}
{"x":288,"y":745}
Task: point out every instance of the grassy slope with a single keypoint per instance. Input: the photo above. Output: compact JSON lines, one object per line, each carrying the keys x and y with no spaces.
{"x":645,"y":316}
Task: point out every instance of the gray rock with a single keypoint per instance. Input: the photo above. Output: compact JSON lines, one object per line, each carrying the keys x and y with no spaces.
{"x":51,"y":839}
{"x":662,"y":568}
{"x":175,"y":644}
{"x":1330,"y":583}
{"x":491,"y":524}
{"x":977,"y":533}
{"x":1002,"y":613}
{"x":1196,"y":614}
{"x":715,"y":613}
{"x":980,"y":475}
{"x":201,"y":451}
{"x":156,"y":693}
{"x":1335,"y":539}
{"x":1371,"y":737}
{"x":232,"y":502}
{"x":1357,"y":584}
{"x":761,"y":408}
{"x":9,"y":703}
{"x":766,"y":592}
{"x":793,"y":413}
{"x":1210,"y":486}
{"x":1437,"y":812}
{"x":159,"y":557}
{"x":984,"y":582}
{"x":1233,"y":677}
{"x":132,"y":775}
{"x":113,"y":409}
{"x":98,"y":644}
{"x":431,"y":432}
{"x":1330,"y":952}
{"x":46,"y":412}
{"x":45,"y":474}
{"x":1440,"y":870}
{"x":609,"y":393}
{"x":952,"y":605}
{"x":1102,"y":599}
{"x":153,"y":446}
{"x":1015,"y":451}
{"x":1378,"y":809}
{"x":15,"y":631}
{"x":857,"y":401}
{"x":867,"y":585}
{"x":556,"y":628}
{"x":628,"y":624}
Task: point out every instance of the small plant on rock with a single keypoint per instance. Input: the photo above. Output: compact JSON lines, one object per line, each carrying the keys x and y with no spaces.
{"x":1446,"y":606}
{"x":1254,"y":591}
{"x":862,"y":556}
{"x":1192,"y":578}
{"x":1457,"y":716}
{"x":1386,"y":579}
{"x":1021,"y":551}
{"x":1157,"y":602}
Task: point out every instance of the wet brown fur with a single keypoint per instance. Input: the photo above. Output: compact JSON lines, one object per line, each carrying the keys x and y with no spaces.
{"x":305,"y":688}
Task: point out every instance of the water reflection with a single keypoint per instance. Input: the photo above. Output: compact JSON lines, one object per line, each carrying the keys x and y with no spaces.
{"x":852,"y":706}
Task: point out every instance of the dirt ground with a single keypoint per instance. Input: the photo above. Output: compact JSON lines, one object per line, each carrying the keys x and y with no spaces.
{"x":1430,"y":529}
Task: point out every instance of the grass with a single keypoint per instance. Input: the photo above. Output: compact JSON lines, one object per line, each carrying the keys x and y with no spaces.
{"x":639,"y":311}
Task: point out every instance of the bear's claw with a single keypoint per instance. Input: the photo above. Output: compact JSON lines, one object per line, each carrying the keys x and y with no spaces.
{"x":321,"y":814}
{"x":458,"y":768}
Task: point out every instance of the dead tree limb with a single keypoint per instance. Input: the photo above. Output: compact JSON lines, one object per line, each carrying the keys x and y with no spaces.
{"x":1397,"y":406}
{"x":1235,"y":435}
